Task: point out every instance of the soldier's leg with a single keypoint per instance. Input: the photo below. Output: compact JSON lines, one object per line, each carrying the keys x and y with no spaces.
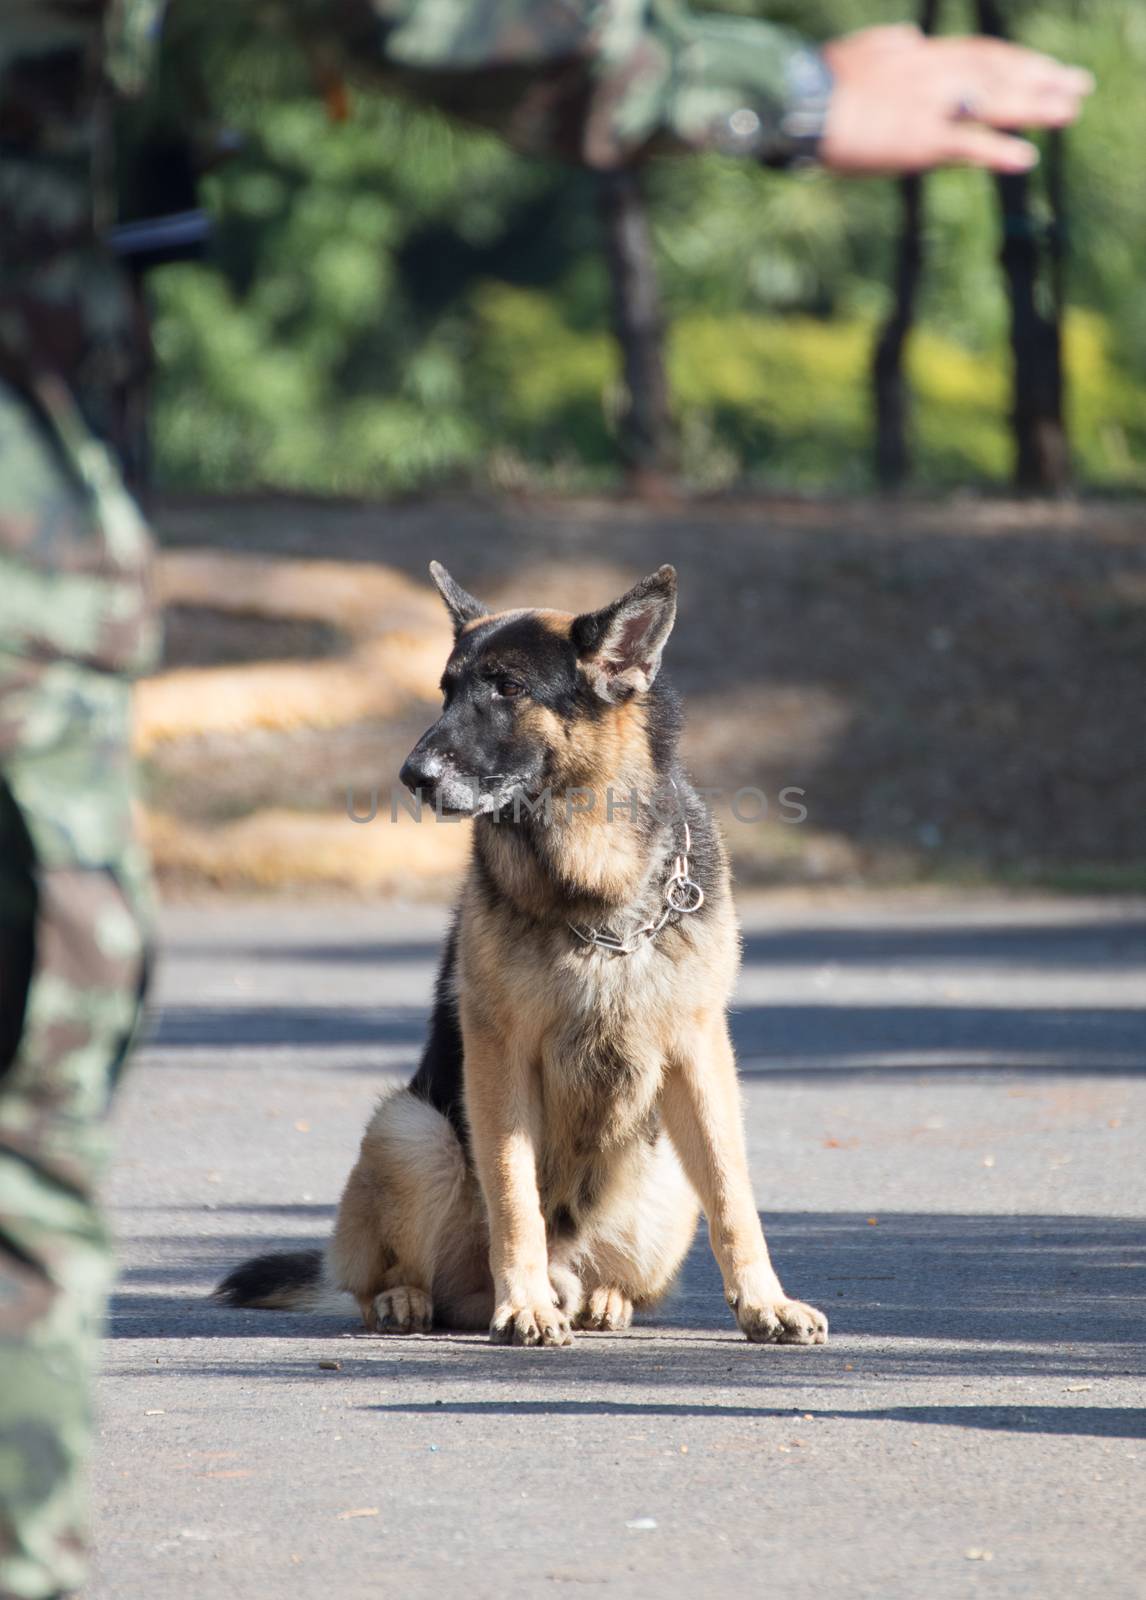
{"x":73,"y":626}
{"x":80,"y":1009}
{"x":72,"y":943}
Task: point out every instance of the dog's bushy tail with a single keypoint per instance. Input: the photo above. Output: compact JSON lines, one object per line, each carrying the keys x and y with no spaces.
{"x":292,"y":1280}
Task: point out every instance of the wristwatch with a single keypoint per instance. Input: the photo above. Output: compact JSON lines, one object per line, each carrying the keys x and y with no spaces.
{"x":789,"y":137}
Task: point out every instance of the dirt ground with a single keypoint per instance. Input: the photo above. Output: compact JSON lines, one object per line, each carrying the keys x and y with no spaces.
{"x":956,"y":688}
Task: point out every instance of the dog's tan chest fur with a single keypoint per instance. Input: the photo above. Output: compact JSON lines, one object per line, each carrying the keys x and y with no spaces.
{"x":593,"y":1031}
{"x":600,"y":1073}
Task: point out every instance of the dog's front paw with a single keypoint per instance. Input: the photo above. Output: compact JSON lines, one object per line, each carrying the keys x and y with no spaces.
{"x":530,"y":1324}
{"x":781,"y":1322}
{"x":568,"y":1290}
{"x":402,"y":1310}
{"x":606,"y":1310}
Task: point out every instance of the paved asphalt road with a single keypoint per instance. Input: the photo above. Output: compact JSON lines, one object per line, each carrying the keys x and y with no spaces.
{"x":945,"y":1110}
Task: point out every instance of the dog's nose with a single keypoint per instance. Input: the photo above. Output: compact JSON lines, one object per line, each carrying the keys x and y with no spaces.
{"x":421,"y":770}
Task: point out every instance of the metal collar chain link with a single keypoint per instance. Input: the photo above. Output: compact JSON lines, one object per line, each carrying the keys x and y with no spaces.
{"x":680,"y":897}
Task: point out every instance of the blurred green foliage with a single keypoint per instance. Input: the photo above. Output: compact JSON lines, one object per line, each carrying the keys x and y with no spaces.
{"x":393,"y":301}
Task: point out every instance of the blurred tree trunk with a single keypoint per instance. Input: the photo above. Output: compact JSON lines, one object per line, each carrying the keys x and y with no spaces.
{"x":1042,"y":449}
{"x":646,"y":431}
{"x":892,"y":459}
{"x":889,"y":386}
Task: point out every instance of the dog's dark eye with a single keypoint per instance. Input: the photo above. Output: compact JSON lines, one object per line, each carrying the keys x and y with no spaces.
{"x":509,"y":688}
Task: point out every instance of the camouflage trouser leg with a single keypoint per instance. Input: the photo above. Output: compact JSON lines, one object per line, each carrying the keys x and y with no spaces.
{"x":72,"y":895}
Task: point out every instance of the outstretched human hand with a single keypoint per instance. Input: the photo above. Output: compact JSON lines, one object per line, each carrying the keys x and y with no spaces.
{"x":903,"y":102}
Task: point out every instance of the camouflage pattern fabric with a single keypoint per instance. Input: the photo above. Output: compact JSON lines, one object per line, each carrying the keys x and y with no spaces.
{"x":74,"y":627}
{"x":597,"y":83}
{"x":73,"y":897}
{"x":600,"y":83}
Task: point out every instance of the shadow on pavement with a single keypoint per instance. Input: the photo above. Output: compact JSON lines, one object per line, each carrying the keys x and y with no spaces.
{"x":289,"y":1027}
{"x":1114,"y":943}
{"x":933,"y":1042}
{"x":1117,"y":943}
{"x":1117,"y":1422}
{"x":916,"y":1295}
{"x":784,"y":1042}
{"x":364,"y":953}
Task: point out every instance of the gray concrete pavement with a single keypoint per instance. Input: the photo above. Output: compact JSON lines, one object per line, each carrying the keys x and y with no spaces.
{"x":945,"y":1107}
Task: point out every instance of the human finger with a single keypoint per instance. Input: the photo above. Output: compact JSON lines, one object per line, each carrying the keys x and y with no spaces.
{"x":1019,"y":107}
{"x":969,"y":144}
{"x":998,"y":64}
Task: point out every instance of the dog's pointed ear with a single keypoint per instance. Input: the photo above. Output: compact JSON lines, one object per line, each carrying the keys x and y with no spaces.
{"x":620,"y":646}
{"x":461,"y":605}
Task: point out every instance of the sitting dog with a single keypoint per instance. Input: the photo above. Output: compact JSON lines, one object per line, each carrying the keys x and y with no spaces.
{"x":577,"y":1100}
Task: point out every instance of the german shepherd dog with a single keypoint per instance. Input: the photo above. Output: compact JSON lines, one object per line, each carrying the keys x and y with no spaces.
{"x":577,"y":1099}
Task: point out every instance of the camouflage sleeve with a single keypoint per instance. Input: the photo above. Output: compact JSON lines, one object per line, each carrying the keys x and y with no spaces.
{"x":599,"y":83}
